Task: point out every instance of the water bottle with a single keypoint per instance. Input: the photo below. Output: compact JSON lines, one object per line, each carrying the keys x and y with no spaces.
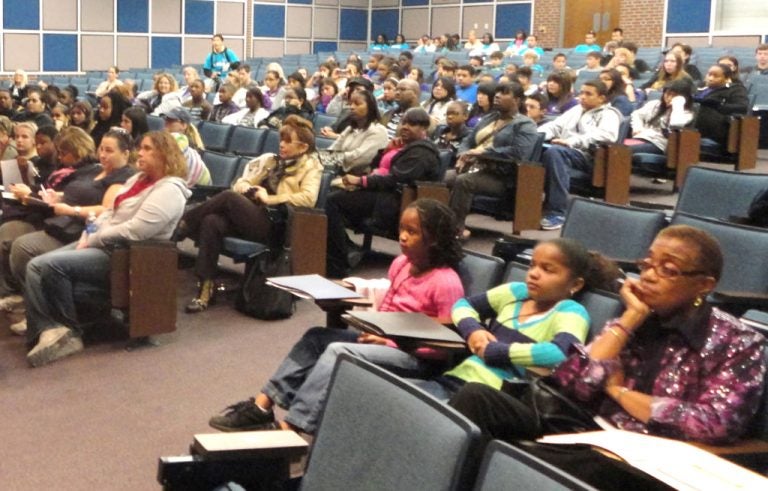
{"x":90,"y":224}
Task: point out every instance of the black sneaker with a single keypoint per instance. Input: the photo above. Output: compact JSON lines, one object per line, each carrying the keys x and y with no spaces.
{"x":244,"y":416}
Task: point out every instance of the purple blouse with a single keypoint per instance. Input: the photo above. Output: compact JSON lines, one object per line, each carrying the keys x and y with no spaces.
{"x":705,"y":374}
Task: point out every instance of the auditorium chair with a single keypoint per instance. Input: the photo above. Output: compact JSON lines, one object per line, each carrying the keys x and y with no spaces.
{"x":721,"y":194}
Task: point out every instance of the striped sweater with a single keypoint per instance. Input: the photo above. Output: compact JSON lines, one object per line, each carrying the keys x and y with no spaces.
{"x":541,"y":340}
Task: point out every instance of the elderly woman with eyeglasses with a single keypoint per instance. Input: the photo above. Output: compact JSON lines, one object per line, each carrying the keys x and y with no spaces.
{"x":672,"y":365}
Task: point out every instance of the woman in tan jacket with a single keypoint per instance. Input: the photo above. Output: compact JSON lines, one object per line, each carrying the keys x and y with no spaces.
{"x":256,"y":207}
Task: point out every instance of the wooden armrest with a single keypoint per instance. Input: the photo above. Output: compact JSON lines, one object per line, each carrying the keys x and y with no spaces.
{"x":611,"y":171}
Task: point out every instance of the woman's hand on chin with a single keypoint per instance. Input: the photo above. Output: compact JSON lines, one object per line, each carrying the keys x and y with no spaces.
{"x":637,"y":310}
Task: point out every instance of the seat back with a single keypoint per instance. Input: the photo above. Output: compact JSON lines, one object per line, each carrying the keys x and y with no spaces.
{"x":479,"y":272}
{"x":215,"y":135}
{"x":504,"y":465}
{"x":718,"y":193}
{"x":745,"y":262}
{"x":618,"y":232}
{"x":271,"y":142}
{"x":223,"y":168}
{"x":602,"y":306}
{"x":323,"y":143}
{"x":380,"y":432}
{"x":515,"y":272}
{"x":246,"y":141}
{"x":321,"y":120}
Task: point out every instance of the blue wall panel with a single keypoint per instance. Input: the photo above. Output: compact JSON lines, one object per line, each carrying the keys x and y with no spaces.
{"x":21,"y":14}
{"x":409,"y":3}
{"x":324,"y":46}
{"x":305,"y":2}
{"x":385,"y":21}
{"x":132,"y":16}
{"x":198,"y":17}
{"x":353,"y":24}
{"x":268,"y":21}
{"x":166,"y":52}
{"x":688,"y":16}
{"x":511,"y":18}
{"x":60,"y":52}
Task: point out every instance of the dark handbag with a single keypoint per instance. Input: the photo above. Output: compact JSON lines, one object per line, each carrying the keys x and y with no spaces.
{"x":554,"y":412}
{"x":331,"y":161}
{"x":64,"y":228}
{"x":259,"y":300}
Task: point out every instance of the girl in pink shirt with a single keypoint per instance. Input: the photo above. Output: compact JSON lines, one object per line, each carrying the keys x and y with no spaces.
{"x":423,"y":279}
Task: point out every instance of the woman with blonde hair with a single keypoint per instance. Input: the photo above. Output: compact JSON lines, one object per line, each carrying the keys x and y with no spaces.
{"x":148,"y":206}
{"x":165,"y":84}
{"x":671,"y":70}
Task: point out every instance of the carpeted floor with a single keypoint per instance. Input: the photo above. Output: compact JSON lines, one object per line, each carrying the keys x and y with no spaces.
{"x":101,"y":419}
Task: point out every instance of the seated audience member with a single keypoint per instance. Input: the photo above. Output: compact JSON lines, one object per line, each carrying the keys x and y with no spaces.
{"x":244,"y":75}
{"x":560,"y":63}
{"x":560,"y":94}
{"x":685,"y":52}
{"x":387,"y":68}
{"x":404,"y":63}
{"x":374,"y":200}
{"x":450,"y":135}
{"x":589,"y":45}
{"x":671,"y":365}
{"x":591,"y":63}
{"x":226,"y":105}
{"x":7,"y":144}
{"x":571,"y":135}
{"x":635,"y":95}
{"x":110,"y":83}
{"x":6,"y":104}
{"x":503,"y":134}
{"x":440,"y":44}
{"x":407,"y":95}
{"x":531,"y":324}
{"x":328,"y":90}
{"x":80,"y":187}
{"x":532,"y":44}
{"x":68,"y":95}
{"x":531,"y":60}
{"x":164,"y":84}
{"x":617,"y":91}
{"x":387,"y":102}
{"x":517,"y":44}
{"x":273,"y":90}
{"x":536,"y":108}
{"x":110,"y":113}
{"x":341,"y":107}
{"x":417,"y":74}
{"x":180,"y":97}
{"x":484,"y":104}
{"x":18,"y":87}
{"x":761,"y":61}
{"x":371,"y":68}
{"x":197,"y":171}
{"x":295,"y":103}
{"x":495,"y":67}
{"x":640,"y":65}
{"x":178,"y":120}
{"x":524,"y":76}
{"x":399,"y":43}
{"x":81,"y":115}
{"x":671,"y":69}
{"x":624,"y":56}
{"x":134,"y":121}
{"x":466,"y":88}
{"x":488,"y":45}
{"x":60,"y":116}
{"x":380,"y":44}
{"x":652,"y":121}
{"x":733,"y":63}
{"x":198,"y":106}
{"x":363,"y":138}
{"x":718,"y":100}
{"x":443,"y":93}
{"x":472,"y":42}
{"x":422,"y":279}
{"x":296,"y":79}
{"x":148,"y":207}
{"x":253,"y":113}
{"x":239,"y":96}
{"x":36,"y":109}
{"x":291,"y":178}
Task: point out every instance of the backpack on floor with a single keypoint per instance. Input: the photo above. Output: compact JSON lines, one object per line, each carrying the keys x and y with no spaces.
{"x":259,"y":300}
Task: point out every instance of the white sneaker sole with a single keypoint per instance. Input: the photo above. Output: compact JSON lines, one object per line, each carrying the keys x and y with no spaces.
{"x":63,"y":347}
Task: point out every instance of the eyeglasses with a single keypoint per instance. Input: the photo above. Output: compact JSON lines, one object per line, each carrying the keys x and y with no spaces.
{"x":666,"y":270}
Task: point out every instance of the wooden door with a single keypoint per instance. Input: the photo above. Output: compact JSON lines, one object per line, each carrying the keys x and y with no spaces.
{"x":582,"y":16}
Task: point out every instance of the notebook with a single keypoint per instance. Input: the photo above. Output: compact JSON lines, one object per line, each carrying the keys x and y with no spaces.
{"x":404,"y":325}
{"x":312,"y":286}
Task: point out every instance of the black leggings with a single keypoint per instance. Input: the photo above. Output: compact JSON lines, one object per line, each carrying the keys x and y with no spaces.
{"x":226,"y":214}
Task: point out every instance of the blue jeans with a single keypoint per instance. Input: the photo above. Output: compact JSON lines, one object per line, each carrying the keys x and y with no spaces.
{"x":301,"y":383}
{"x":50,"y":285}
{"x":558,"y":162}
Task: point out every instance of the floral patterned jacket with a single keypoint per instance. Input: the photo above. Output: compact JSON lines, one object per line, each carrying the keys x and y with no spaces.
{"x":705,"y":374}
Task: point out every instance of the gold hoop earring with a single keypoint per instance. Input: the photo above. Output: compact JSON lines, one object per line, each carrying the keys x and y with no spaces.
{"x":697,"y":303}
